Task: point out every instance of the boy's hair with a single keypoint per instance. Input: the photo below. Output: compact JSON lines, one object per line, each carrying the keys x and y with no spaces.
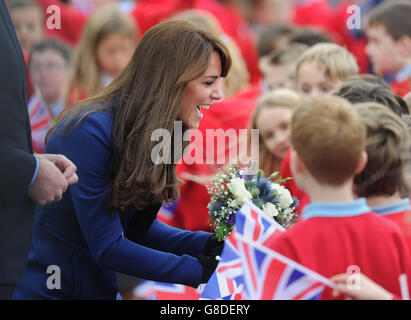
{"x":338,"y":62}
{"x":269,"y":37}
{"x":309,"y":37}
{"x":55,"y":45}
{"x":288,"y":55}
{"x":20,"y":4}
{"x":359,"y":91}
{"x":372,"y":78}
{"x":406,"y":186}
{"x":394,"y":16}
{"x":387,"y":146}
{"x":329,"y":137}
{"x":407,"y":99}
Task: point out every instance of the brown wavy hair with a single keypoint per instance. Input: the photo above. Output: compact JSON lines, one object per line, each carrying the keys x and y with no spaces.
{"x":387,"y":146}
{"x":147,"y":96}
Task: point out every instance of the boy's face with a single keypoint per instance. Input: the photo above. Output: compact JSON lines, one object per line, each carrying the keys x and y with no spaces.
{"x":277,"y":76}
{"x":383,"y":50}
{"x":29,"y":27}
{"x":312,"y":82}
{"x":48,"y":71}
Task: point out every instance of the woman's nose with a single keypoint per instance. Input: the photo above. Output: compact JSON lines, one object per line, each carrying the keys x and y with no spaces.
{"x":218,"y":92}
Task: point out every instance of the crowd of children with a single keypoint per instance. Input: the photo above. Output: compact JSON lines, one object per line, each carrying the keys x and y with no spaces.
{"x":331,"y":103}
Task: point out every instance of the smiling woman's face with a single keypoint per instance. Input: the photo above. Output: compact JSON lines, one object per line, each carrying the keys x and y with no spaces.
{"x":201,"y":93}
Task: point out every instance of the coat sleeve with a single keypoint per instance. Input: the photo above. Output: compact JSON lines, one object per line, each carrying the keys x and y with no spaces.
{"x":17,"y":168}
{"x":89,"y":147}
{"x":17,"y":163}
{"x":166,"y":238}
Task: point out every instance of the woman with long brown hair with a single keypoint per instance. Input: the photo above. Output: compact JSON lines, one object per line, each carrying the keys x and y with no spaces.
{"x":106,"y":223}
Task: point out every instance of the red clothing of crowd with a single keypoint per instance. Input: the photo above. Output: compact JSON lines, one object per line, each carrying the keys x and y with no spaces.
{"x":148,"y":13}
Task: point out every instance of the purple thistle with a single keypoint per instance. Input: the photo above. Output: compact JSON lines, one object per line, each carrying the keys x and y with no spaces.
{"x":231,"y":219}
{"x":246,"y":176}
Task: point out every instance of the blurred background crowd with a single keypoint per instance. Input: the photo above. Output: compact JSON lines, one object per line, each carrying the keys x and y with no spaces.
{"x":75,"y":48}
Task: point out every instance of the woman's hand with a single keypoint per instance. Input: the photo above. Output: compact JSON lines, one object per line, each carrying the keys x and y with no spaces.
{"x":209,"y":264}
{"x":213,"y":247}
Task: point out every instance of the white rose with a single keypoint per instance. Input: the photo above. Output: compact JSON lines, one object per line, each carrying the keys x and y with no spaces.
{"x":275,"y":186}
{"x":270,"y":210}
{"x":285,"y":199}
{"x":237,"y":188}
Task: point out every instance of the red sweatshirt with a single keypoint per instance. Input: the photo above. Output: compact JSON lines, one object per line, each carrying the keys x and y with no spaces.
{"x":332,"y":237}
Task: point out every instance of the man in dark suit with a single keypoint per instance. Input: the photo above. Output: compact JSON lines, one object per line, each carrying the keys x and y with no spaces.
{"x":26,"y":180}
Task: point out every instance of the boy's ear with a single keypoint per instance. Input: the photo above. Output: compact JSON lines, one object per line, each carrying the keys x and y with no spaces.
{"x":362,"y":163}
{"x":297,"y":165}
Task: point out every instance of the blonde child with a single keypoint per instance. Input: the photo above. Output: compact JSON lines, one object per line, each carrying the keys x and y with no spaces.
{"x":105,"y":48}
{"x":272,"y":118}
{"x":322,"y":69}
{"x":337,"y":231}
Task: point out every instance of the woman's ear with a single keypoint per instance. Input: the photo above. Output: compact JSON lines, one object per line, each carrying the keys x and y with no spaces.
{"x":362,"y":163}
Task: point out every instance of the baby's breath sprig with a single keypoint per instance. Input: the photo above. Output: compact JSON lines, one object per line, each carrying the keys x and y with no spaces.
{"x":230,"y":188}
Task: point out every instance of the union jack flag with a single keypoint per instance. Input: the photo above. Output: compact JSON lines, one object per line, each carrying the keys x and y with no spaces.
{"x":153,"y":290}
{"x":40,"y":122}
{"x":166,"y":212}
{"x":227,"y":282}
{"x":271,"y":276}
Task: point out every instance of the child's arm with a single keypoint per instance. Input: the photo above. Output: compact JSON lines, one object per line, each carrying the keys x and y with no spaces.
{"x":364,"y":289}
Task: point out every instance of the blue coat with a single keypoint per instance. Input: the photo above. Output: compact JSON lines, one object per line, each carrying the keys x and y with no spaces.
{"x":87,"y":243}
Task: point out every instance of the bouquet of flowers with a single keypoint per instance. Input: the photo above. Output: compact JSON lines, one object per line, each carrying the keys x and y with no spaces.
{"x":233,"y":187}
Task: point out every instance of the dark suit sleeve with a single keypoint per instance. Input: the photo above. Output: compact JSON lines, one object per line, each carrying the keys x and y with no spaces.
{"x":17,"y":169}
{"x":17,"y":164}
{"x":89,"y":147}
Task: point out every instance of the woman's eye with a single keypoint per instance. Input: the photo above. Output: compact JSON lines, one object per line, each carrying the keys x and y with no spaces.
{"x":209,"y":83}
{"x":267,"y":135}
